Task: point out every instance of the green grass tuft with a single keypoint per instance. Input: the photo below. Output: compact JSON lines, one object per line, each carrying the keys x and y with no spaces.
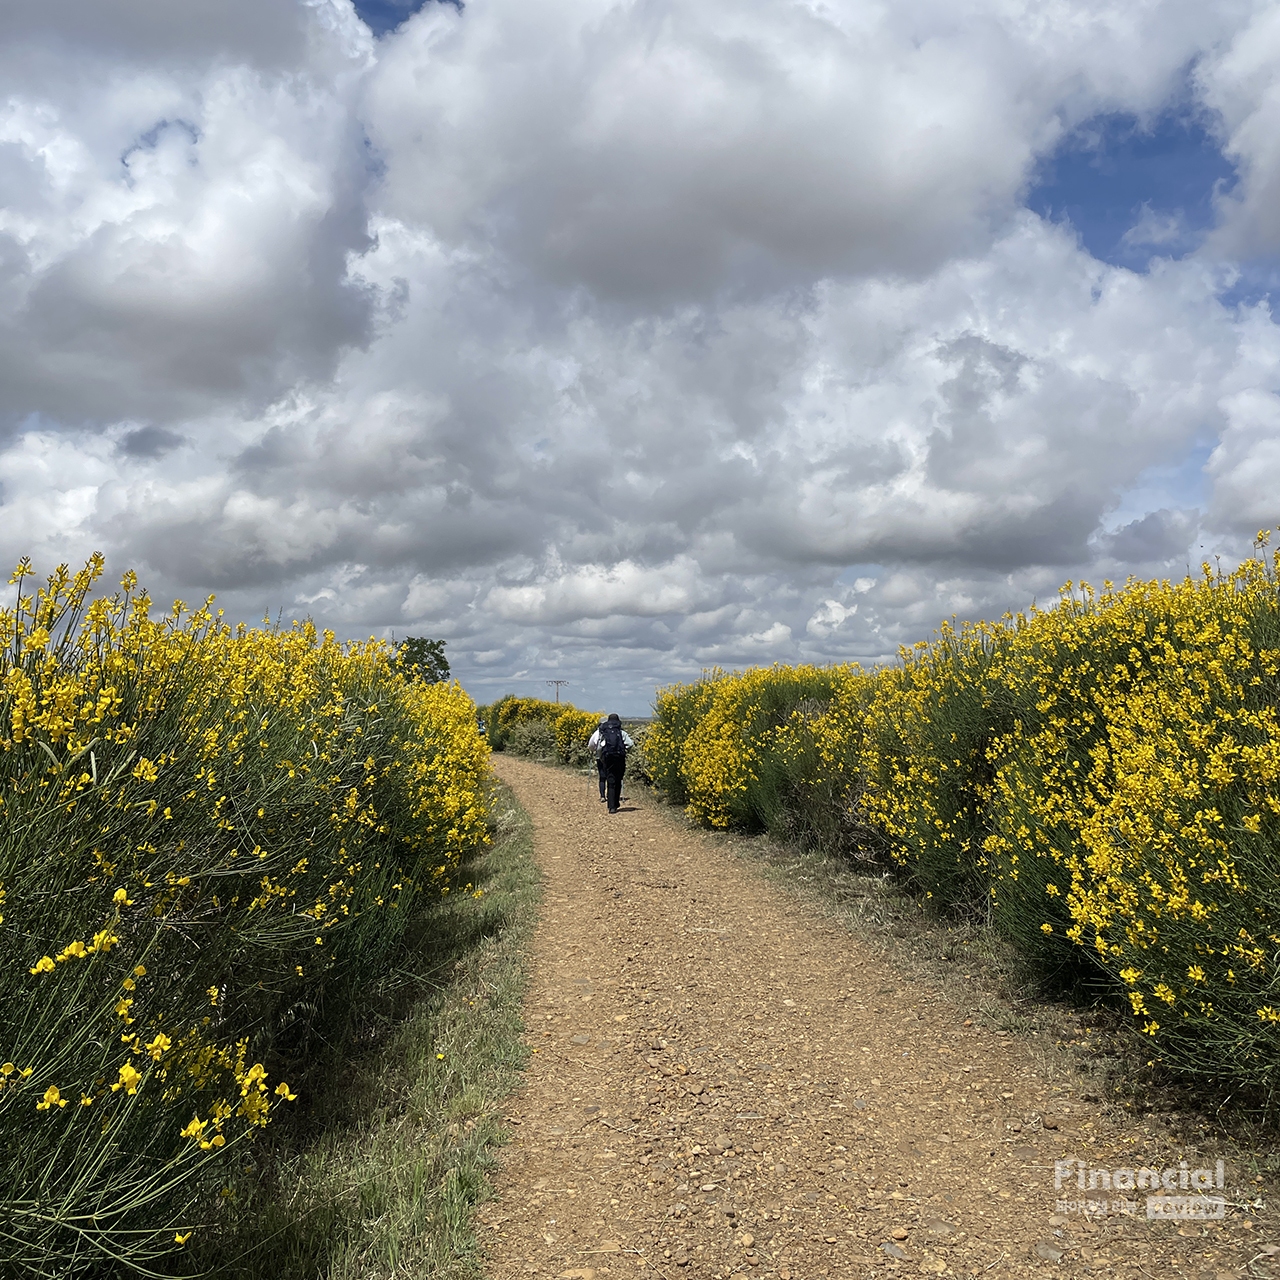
{"x":379,"y":1176}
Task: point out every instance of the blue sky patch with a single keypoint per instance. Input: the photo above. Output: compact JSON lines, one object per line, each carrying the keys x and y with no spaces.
{"x":1182,"y":483}
{"x":381,"y":16}
{"x":1258,"y":281}
{"x":1133,"y":193}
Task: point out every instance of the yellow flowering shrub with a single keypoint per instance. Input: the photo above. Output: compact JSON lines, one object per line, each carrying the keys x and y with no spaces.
{"x":931,"y":722}
{"x":678,"y":709}
{"x":206,"y":829}
{"x":1103,"y":777}
{"x":559,"y":729}
{"x":573,"y":729}
{"x":759,"y":748}
{"x":504,"y":717}
{"x":1139,"y":807}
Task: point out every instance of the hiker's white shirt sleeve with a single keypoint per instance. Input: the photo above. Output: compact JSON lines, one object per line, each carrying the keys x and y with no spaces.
{"x":626,"y":740}
{"x":593,"y":743}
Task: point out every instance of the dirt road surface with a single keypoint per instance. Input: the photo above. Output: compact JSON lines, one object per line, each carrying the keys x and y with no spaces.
{"x":725,"y":1082}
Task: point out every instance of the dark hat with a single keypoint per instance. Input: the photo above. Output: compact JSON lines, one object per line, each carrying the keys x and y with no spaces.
{"x":613,"y":718}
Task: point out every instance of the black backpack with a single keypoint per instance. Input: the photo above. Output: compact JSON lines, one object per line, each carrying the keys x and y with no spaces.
{"x":611,"y":743}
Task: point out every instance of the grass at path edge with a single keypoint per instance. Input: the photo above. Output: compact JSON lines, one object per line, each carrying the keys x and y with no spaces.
{"x":382,"y":1176}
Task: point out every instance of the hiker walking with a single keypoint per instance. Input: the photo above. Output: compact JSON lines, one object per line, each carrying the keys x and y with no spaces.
{"x":615,"y":742}
{"x":594,"y":748}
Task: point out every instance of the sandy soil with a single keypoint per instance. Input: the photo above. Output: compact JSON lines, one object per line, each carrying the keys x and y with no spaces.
{"x":724,"y":1081}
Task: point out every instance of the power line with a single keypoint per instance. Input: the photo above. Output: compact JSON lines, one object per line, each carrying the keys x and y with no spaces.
{"x":557,"y":684}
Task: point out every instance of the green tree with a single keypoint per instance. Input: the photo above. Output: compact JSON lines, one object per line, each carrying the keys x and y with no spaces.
{"x":423,"y":659}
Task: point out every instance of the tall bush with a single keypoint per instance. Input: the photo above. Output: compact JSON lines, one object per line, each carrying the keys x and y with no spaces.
{"x":535,"y":727}
{"x":1147,"y":798}
{"x":213,"y":838}
{"x":573,"y":729}
{"x":503,"y":717}
{"x":753,"y":747}
{"x":678,"y":709}
{"x":773,"y":749}
{"x":931,"y":725}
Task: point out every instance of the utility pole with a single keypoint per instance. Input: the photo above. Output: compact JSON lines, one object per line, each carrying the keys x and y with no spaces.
{"x":557,"y":684}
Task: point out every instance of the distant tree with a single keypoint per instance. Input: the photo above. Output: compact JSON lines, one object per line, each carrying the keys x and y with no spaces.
{"x":423,"y":659}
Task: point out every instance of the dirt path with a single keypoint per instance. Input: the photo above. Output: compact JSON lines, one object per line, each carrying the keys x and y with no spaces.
{"x":725,"y":1082}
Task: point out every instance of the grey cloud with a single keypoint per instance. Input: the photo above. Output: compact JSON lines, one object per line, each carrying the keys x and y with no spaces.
{"x":150,"y":442}
{"x":556,"y":536}
{"x":395,"y":484}
{"x":1239,"y":81}
{"x":176,"y":238}
{"x":1245,"y":465}
{"x":1156,"y":538}
{"x":266,"y":31}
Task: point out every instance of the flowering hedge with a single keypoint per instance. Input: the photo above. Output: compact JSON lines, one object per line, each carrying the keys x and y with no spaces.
{"x":1100,"y":776}
{"x":212,"y":838}
{"x":566,"y":727}
{"x":573,"y":729}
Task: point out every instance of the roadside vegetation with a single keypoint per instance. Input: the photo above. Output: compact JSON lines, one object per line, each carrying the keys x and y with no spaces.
{"x":379,"y":1174}
{"x":223,"y":851}
{"x":540,"y":730}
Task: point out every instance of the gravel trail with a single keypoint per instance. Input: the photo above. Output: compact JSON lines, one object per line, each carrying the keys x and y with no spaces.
{"x":725,"y":1082}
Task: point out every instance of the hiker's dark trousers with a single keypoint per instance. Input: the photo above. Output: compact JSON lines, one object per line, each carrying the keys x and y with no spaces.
{"x":614,"y":768}
{"x":601,"y":771}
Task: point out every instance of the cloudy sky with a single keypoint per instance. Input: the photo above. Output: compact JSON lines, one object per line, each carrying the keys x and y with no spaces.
{"x":614,"y":340}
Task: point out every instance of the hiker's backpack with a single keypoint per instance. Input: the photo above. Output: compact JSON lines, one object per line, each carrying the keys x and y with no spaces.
{"x":611,"y":743}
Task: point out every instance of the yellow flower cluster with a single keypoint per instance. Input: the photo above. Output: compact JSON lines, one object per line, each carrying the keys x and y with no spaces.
{"x":1141,"y":791}
{"x":1103,"y":777}
{"x":766,"y":749}
{"x":573,"y":729}
{"x":203,"y":828}
{"x":563,"y":726}
{"x":756,"y":738}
